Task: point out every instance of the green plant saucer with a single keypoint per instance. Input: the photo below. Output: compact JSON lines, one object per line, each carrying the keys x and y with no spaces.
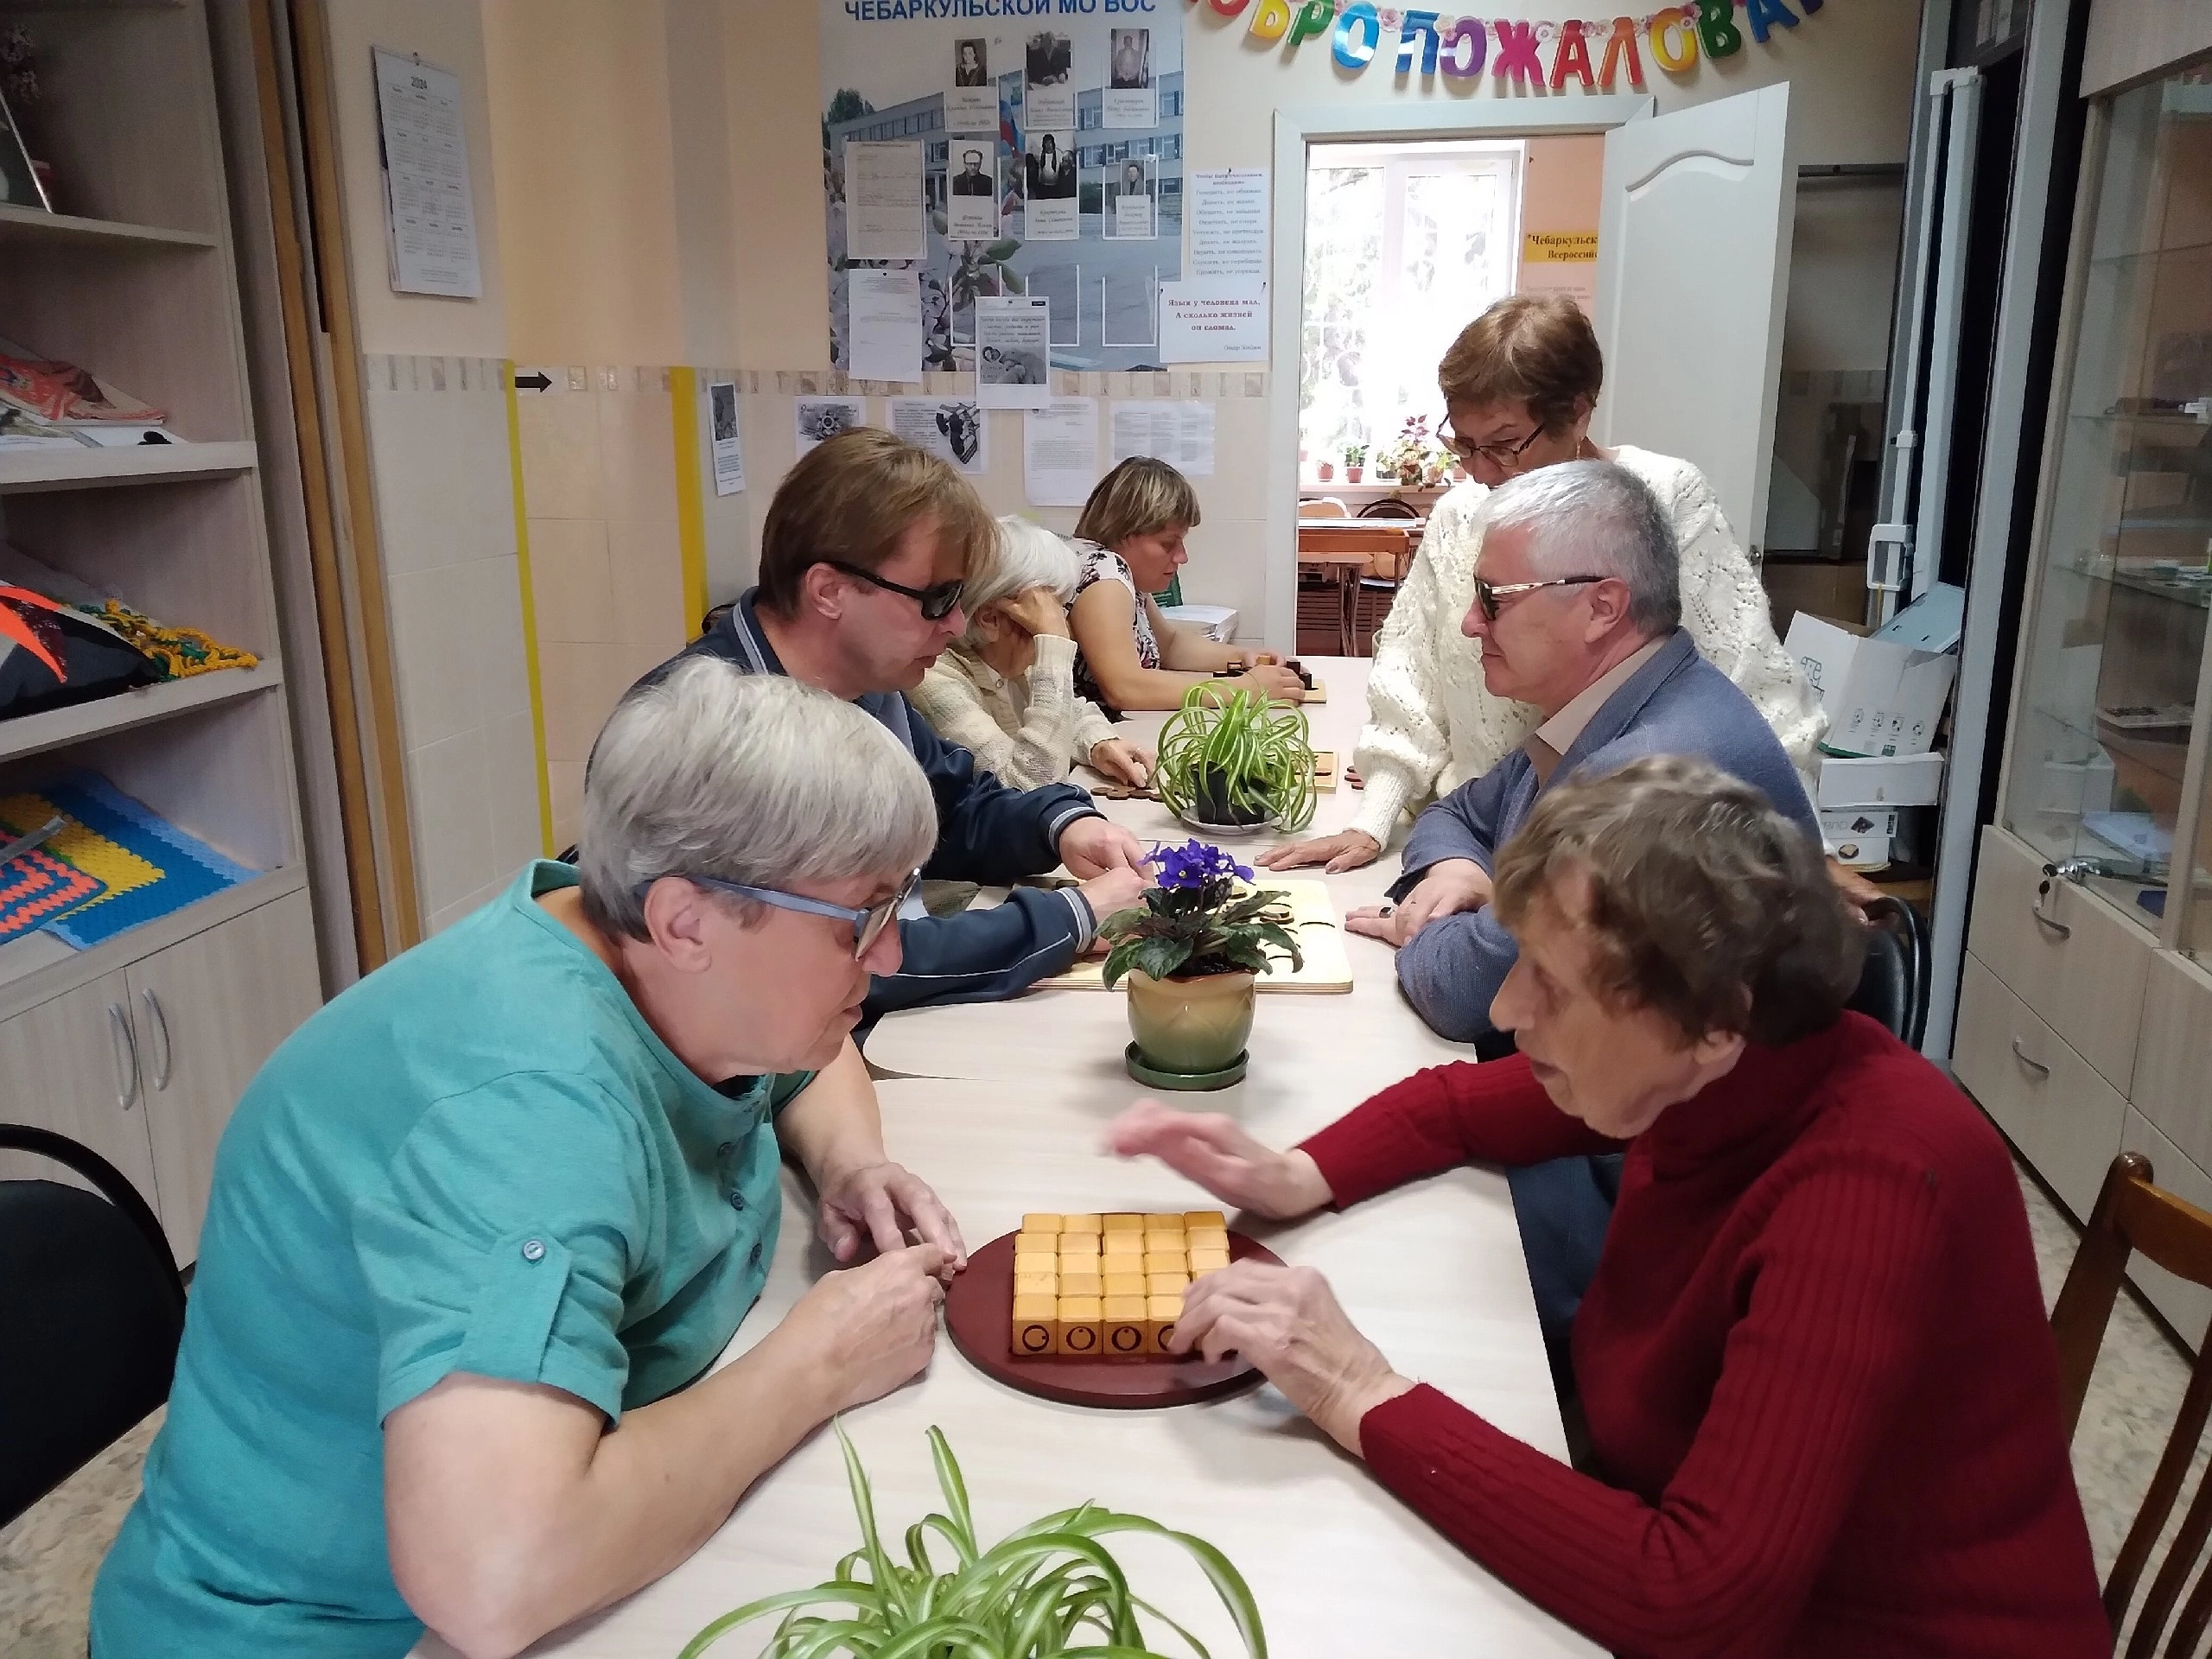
{"x":1266,"y":826}
{"x":1233,"y":1072}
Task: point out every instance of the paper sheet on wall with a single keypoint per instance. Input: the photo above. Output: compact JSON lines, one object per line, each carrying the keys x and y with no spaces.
{"x":1013,"y":336}
{"x":817,"y":420}
{"x":953,"y":428}
{"x":884,"y":308}
{"x":1059,"y":452}
{"x":1214,"y":320}
{"x":1180,"y":434}
{"x":1228,"y":211}
{"x":885,"y":202}
{"x":430,"y":212}
{"x":721,"y":428}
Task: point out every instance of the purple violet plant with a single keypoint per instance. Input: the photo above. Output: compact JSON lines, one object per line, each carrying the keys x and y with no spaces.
{"x":1200,"y":919}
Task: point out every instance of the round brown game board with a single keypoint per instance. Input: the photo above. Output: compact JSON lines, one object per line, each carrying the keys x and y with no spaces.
{"x":979,"y":1309}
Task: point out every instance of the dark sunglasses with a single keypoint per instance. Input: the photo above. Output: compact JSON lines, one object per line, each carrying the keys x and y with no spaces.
{"x":868,"y":924}
{"x":1504,"y":456}
{"x":936,"y":600}
{"x":1487,"y":593}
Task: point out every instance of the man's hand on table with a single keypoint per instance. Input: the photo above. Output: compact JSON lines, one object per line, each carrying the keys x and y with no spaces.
{"x":879,"y":1204}
{"x":1091,"y":846}
{"x":1445,"y":887}
{"x":1348,"y":849}
{"x":1288,"y":1322}
{"x":1117,"y":890}
{"x":1213,"y":1151}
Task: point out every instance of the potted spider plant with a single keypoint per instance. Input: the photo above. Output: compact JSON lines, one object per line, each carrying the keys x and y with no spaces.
{"x":1236,"y":762}
{"x":1193,"y":952}
{"x":1047,"y":1589}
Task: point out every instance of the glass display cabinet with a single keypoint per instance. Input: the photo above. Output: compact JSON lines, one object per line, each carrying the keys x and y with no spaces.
{"x":2085,"y":1003}
{"x":2100,"y":779}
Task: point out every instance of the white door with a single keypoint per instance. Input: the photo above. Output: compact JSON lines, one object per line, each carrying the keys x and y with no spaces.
{"x":1693,"y":266}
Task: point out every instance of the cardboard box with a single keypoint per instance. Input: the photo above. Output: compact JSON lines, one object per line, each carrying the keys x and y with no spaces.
{"x":1860,"y":836}
{"x":1882,"y":698}
{"x":1877,"y":780}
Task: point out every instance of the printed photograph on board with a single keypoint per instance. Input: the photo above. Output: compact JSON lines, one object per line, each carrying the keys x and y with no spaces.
{"x":1129,"y":102}
{"x":1048,"y":81}
{"x":1129,"y":206}
{"x":971,"y":61}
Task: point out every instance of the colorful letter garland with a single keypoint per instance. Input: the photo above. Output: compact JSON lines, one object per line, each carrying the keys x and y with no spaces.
{"x":1459,"y":46}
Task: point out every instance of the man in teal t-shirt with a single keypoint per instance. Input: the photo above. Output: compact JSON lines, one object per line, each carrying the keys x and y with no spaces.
{"x":485,"y":1165}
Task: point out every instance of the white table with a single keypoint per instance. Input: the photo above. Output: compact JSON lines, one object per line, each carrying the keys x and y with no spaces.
{"x":1002,"y":1114}
{"x":1338,"y":1565}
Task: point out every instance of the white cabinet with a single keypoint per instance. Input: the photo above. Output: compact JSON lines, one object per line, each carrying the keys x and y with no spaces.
{"x":145,"y":1064}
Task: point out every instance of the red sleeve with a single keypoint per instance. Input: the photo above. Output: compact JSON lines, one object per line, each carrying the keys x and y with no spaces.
{"x":1443,"y":1117}
{"x":1810,"y":1377}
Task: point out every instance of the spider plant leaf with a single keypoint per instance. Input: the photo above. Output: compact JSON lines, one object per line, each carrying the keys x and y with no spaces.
{"x":964,"y":1543}
{"x":753,"y":1610}
{"x":1197,"y":1647}
{"x":935,"y":1636}
{"x":1228,"y":1583}
{"x":847,"y":1636}
{"x":864,"y":1505}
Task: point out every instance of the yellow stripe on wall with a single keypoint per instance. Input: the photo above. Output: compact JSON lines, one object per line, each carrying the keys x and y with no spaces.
{"x":690,"y":506}
{"x":529,"y":613}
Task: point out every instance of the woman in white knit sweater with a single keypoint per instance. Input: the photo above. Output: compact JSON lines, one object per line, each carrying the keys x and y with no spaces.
{"x":1005,"y":689}
{"x":1519,"y":384}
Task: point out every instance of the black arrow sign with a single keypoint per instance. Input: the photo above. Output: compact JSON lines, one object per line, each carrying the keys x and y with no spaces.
{"x":538,"y":382}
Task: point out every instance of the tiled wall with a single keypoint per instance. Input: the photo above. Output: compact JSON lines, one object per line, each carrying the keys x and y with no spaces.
{"x":442,"y":466}
{"x":599,"y":489}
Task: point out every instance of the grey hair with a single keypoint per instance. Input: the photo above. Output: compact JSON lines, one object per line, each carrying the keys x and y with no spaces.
{"x":1597,"y":518}
{"x":1023,"y":555}
{"x":756,"y":778}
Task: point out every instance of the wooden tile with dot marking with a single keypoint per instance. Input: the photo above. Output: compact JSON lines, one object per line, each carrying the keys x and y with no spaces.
{"x":1079,"y":1323}
{"x":1123,"y":1321}
{"x":1159,"y":1317}
{"x":1036,"y":1325}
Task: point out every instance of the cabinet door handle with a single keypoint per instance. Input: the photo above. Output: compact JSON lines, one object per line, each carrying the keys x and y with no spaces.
{"x":2056,"y":929}
{"x":2036,"y":1066}
{"x":161,"y":1024}
{"x":126,"y":1076}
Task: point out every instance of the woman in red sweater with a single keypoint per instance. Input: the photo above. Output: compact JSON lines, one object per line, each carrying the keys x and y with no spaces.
{"x":1823,"y":1397}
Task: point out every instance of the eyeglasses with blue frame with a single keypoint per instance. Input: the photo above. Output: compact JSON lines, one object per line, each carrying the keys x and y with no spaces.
{"x":868,"y":924}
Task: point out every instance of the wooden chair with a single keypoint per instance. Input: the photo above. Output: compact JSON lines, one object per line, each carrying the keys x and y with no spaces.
{"x":2132,"y":1215}
{"x":1323,"y":507}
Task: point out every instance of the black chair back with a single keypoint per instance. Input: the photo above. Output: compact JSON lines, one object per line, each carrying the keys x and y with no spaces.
{"x":92,"y":1307}
{"x":1893,"y":987}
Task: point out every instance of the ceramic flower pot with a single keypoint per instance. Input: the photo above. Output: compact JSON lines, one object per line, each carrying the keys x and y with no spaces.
{"x":1352,"y":474}
{"x":1194,"y":1026}
{"x":1214,"y":808}
{"x":1326,"y":471}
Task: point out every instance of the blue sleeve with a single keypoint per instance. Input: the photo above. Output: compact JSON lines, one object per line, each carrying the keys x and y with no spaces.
{"x":1451,"y":970}
{"x":1463,"y":824}
{"x":982,"y":956}
{"x":485,"y":1257}
{"x":988,"y":833}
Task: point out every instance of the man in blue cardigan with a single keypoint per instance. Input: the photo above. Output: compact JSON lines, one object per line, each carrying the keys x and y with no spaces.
{"x":1578,"y":608}
{"x":861,"y":558}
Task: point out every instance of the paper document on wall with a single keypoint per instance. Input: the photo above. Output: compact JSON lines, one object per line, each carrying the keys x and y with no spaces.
{"x":884,"y":313}
{"x":885,"y":202}
{"x":952,"y":428}
{"x":817,"y":420}
{"x":430,"y":212}
{"x":721,"y":427}
{"x":1014,"y":335}
{"x":1059,"y":452}
{"x":1214,"y":320}
{"x":1180,"y":434}
{"x":1229,"y":221}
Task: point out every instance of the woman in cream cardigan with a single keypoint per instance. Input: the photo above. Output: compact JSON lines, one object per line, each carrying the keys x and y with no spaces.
{"x":1005,"y":689}
{"x":1519,"y":386}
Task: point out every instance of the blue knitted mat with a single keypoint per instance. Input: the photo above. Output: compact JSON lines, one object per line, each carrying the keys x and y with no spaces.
{"x":191,"y":869}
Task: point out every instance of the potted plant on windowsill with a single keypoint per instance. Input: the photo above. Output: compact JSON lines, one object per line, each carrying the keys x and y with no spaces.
{"x":1324,"y":470}
{"x":1193,"y":953}
{"x":1234,"y":762}
{"x":1355,"y":461}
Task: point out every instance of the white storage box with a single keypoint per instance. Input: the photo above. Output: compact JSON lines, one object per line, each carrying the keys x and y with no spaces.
{"x":1216,"y":622}
{"x":1882,"y":698}
{"x":1877,"y":780}
{"x":1860,"y":836}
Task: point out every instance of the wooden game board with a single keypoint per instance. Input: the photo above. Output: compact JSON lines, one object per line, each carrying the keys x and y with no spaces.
{"x":1327,"y":970}
{"x":1078,"y":1307}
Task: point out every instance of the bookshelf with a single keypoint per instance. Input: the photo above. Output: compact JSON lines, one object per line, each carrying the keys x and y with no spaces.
{"x":140,"y":1046}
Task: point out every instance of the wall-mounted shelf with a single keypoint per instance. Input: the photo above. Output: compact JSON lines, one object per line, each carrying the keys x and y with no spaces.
{"x":22,"y":225}
{"x":23,"y":470}
{"x":82,"y":721}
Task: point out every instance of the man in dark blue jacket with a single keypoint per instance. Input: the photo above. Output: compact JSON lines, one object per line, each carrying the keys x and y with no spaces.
{"x":861,"y":558}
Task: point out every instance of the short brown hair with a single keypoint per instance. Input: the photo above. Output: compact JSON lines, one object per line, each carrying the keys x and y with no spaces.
{"x":1705,"y":904}
{"x":849,"y":500}
{"x":1139,"y":497}
{"x":1536,"y":349}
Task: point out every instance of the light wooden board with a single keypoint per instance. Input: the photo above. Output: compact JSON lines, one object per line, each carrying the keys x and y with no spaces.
{"x":1327,"y":970}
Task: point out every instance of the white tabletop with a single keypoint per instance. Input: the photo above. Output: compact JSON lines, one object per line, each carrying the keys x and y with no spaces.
{"x":1003,"y":1115}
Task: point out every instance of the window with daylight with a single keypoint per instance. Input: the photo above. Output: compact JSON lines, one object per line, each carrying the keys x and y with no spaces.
{"x":1406,"y":244}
